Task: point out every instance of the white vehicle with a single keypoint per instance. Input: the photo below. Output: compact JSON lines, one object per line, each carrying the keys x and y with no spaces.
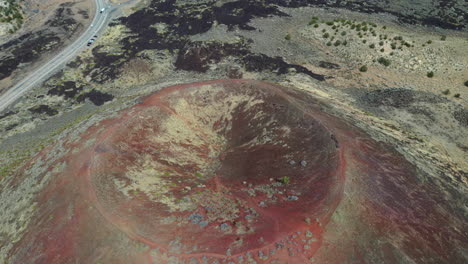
{"x":102,"y":10}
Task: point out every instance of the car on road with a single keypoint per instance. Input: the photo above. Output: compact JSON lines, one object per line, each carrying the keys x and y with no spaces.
{"x":91,"y":41}
{"x":102,"y":10}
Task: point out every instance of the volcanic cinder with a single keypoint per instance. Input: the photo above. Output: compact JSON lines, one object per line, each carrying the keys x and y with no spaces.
{"x":229,"y":172}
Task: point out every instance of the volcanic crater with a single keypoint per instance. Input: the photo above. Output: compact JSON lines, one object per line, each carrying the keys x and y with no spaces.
{"x":236,"y":166}
{"x":230,"y":171}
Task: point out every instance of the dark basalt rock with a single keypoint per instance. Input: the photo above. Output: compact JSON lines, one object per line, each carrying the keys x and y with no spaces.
{"x":9,"y":113}
{"x":43,"y":109}
{"x":30,"y":46}
{"x":448,"y":14}
{"x":328,"y":65}
{"x":68,"y":90}
{"x":96,"y":97}
{"x":199,"y":55}
{"x":461,"y":115}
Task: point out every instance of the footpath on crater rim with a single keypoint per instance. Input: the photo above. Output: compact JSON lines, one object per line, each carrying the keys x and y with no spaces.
{"x":231,"y":171}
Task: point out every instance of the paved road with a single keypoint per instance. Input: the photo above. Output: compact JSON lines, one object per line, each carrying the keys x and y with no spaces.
{"x":100,"y":21}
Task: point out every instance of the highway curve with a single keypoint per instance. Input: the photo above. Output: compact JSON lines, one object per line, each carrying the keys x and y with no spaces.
{"x":100,"y":21}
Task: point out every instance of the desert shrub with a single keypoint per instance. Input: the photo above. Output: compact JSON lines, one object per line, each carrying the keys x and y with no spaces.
{"x":457,"y":95}
{"x":384,"y":61}
{"x":316,"y":25}
{"x":287,"y":37}
{"x":343,"y":33}
{"x":443,"y":38}
{"x":329,"y":43}
{"x":326,"y":35}
{"x":382,"y":50}
{"x":466,"y":83}
{"x":363,"y":68}
{"x":381,"y":43}
{"x":364,"y":41}
{"x":337,"y":43}
{"x":430,"y":74}
{"x":446,"y":92}
{"x":429,"y":41}
{"x":284,"y":180}
{"x":372,"y":46}
{"x":345,"y":43}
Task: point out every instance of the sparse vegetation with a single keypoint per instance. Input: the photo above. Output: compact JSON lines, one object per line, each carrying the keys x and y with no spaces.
{"x":457,"y":95}
{"x":430,"y":74}
{"x":363,"y":68}
{"x":443,"y":38}
{"x":372,"y":46}
{"x":446,"y":92}
{"x":466,"y":83}
{"x":11,"y":14}
{"x":287,"y":37}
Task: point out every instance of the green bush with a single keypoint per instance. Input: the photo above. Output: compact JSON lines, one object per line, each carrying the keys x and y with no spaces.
{"x":287,"y":37}
{"x":330,"y":23}
{"x":343,"y":33}
{"x":329,"y":43}
{"x":446,"y":92}
{"x":372,"y":46}
{"x":324,"y":30}
{"x":316,"y":25}
{"x":337,"y":43}
{"x":284,"y":180}
{"x":430,"y":74}
{"x":457,"y":95}
{"x":384,"y":61}
{"x":326,"y":35}
{"x":429,"y":41}
{"x":345,"y":43}
{"x":466,"y":83}
{"x":381,"y":43}
{"x":363,"y":68}
{"x":364,"y":41}
{"x":443,"y":38}
{"x":382,"y":50}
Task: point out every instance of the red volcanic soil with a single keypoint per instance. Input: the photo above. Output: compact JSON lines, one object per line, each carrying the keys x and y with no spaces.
{"x":234,"y":172}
